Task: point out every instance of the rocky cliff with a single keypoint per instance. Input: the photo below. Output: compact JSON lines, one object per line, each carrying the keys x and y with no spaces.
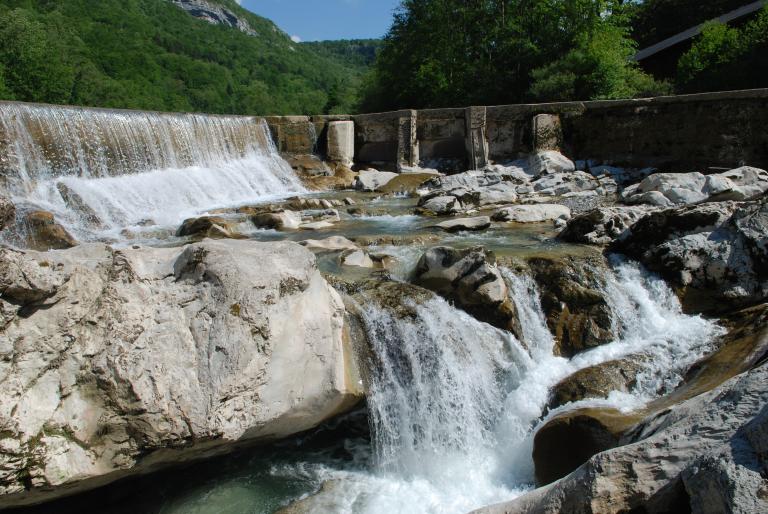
{"x":216,"y":14}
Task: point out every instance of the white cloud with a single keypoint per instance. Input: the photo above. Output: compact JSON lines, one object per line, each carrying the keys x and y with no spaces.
{"x":296,"y":39}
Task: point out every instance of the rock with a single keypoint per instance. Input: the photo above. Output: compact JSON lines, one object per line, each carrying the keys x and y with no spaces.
{"x":503,"y":193}
{"x":457,"y":225}
{"x":76,"y":203}
{"x":440,"y":205}
{"x":357,"y":258}
{"x":330,"y":244}
{"x":349,"y":201}
{"x":405,"y":183}
{"x":340,"y":177}
{"x":568,"y":440}
{"x":668,"y":189}
{"x":317,"y":225}
{"x":715,"y":254}
{"x":596,"y":381}
{"x":705,"y":455}
{"x":7,"y":212}
{"x":471,"y":279}
{"x":341,"y":142}
{"x":308,"y":166}
{"x":561,"y":184}
{"x":122,"y":361}
{"x":44,"y":233}
{"x":547,"y":163}
{"x":372,"y":180}
{"x":285,"y":220}
{"x":213,"y":227}
{"x":603,"y":225}
{"x":532,"y":213}
{"x":576,"y":311}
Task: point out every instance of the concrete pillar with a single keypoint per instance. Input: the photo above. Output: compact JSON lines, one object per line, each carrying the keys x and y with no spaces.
{"x":476,"y":138}
{"x":341,"y":142}
{"x":547,"y":132}
{"x":407,"y":143}
{"x":293,"y":134}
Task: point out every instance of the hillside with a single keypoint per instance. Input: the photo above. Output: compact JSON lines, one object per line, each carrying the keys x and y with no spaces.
{"x":181,"y":55}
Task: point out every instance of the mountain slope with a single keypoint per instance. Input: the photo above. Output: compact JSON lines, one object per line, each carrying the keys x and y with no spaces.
{"x":155,"y":54}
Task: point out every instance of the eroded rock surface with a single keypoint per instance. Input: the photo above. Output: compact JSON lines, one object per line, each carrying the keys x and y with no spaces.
{"x":116,"y":362}
{"x":706,"y":455}
{"x":7,"y":212}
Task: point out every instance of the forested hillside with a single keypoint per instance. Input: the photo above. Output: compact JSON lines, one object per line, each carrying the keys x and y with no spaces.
{"x":150,"y":54}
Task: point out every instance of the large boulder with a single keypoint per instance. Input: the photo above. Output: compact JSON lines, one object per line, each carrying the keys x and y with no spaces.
{"x":706,"y":455}
{"x":603,"y":225}
{"x":548,"y":163}
{"x":572,"y":299}
{"x":7,"y":212}
{"x":283,"y":220}
{"x":43,"y":232}
{"x":715,"y":253}
{"x":461,"y":224}
{"x":117,"y":362}
{"x":471,"y":279}
{"x":597,"y":381}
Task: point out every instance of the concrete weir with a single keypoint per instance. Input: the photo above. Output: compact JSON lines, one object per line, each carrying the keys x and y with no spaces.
{"x":678,"y":133}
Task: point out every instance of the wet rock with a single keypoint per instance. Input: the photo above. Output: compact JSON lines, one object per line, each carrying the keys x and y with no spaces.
{"x":714,"y":253}
{"x":471,"y":279}
{"x":317,"y":225}
{"x":330,"y":244}
{"x":7,"y":212}
{"x":285,"y":220}
{"x":76,"y":203}
{"x":597,"y":381}
{"x":575,"y":307}
{"x":44,"y":233}
{"x":397,"y":240}
{"x":406,"y":183}
{"x":603,"y":225}
{"x":704,"y":455}
{"x":213,"y":227}
{"x":538,"y":213}
{"x":569,"y":440}
{"x":471,"y":224}
{"x":341,"y":177}
{"x":440,"y":206}
{"x":308,"y":165}
{"x":122,"y":361}
{"x":356,"y":258}
{"x":373,"y":180}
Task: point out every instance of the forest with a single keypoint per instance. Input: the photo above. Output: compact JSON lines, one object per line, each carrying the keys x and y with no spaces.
{"x":149,"y":54}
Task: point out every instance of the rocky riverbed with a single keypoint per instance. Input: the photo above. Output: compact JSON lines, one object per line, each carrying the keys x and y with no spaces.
{"x":595,"y":331}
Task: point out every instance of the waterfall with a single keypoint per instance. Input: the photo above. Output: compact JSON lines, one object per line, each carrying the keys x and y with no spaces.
{"x":454,"y":403}
{"x":100,"y":171}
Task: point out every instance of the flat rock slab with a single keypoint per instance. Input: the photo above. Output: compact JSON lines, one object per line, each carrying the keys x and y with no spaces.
{"x":538,"y":213}
{"x":457,"y":225}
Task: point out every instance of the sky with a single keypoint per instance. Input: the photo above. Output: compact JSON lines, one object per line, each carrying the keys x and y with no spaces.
{"x":314,"y":20}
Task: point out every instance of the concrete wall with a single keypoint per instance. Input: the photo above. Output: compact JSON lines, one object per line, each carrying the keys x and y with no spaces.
{"x":678,"y":133}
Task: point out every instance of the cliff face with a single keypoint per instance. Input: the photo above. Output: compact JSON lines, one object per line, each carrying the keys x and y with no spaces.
{"x":215,"y":14}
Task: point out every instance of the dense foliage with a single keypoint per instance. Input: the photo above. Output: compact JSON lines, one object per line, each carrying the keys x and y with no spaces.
{"x":462,"y":52}
{"x":725,"y":58}
{"x":149,"y":54}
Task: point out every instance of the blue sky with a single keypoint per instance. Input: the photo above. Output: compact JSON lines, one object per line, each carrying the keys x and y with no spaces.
{"x":312,"y":20}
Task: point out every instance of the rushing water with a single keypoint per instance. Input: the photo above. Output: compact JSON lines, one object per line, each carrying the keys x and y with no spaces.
{"x":102,"y":171}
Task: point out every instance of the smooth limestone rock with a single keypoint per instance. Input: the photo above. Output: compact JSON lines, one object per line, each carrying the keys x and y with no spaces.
{"x":44,"y":233}
{"x":440,"y":205}
{"x":714,"y":253}
{"x":373,"y":180}
{"x":549,"y":162}
{"x":7,"y":212}
{"x":470,"y":279}
{"x":459,"y":224}
{"x":330,"y":244}
{"x":213,"y":227}
{"x":538,"y":213}
{"x":118,"y":362}
{"x":356,"y":258}
{"x":597,"y":381}
{"x":706,"y":455}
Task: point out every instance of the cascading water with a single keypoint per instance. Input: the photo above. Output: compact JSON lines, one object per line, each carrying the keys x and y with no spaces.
{"x":454,"y":403}
{"x":100,"y":171}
